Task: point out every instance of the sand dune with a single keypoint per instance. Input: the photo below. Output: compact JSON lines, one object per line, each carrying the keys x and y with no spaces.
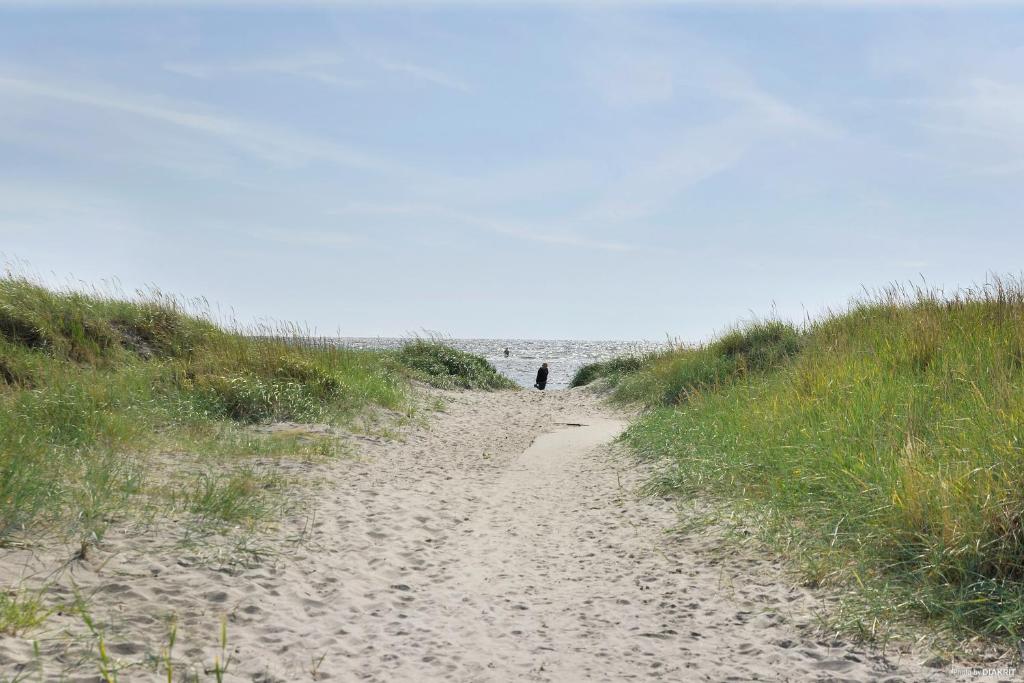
{"x":504,"y":542}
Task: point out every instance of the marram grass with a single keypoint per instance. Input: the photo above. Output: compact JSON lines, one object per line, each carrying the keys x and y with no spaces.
{"x":92,"y":385}
{"x":882,"y":447}
{"x":445,"y":367}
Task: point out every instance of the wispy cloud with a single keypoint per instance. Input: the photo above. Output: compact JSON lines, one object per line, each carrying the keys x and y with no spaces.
{"x":991,"y":107}
{"x":692,"y":157}
{"x":635,"y":64}
{"x":775,"y":109}
{"x":565,"y":240}
{"x":630,"y":78}
{"x":541,"y":178}
{"x":633,"y":78}
{"x":319,"y":67}
{"x":322,"y":67}
{"x":531,"y":233}
{"x":977,"y":124}
{"x":56,"y":208}
{"x":308,"y":238}
{"x":425,"y":74}
{"x":269,"y":143}
{"x":528,"y":231}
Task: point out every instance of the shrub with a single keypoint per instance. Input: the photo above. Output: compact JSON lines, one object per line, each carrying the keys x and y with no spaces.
{"x":673,"y":376}
{"x":443,"y":366}
{"x":613,"y":370}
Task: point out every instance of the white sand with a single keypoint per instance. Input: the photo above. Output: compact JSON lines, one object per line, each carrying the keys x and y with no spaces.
{"x":470,"y":552}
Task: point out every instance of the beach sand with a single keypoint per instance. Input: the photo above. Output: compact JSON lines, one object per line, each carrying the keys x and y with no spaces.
{"x":504,"y":541}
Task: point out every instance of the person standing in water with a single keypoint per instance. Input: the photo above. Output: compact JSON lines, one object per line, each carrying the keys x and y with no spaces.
{"x":542,"y":377}
{"x":506,"y":352}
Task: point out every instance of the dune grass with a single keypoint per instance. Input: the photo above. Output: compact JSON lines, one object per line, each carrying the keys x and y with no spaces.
{"x":20,"y":611}
{"x":611,"y":371}
{"x":243,"y":497}
{"x":92,"y":386}
{"x":881,"y":448}
{"x":445,"y":367}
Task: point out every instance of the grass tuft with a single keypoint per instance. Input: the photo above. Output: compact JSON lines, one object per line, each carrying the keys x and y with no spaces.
{"x":20,"y":612}
{"x":882,"y":447}
{"x":613,"y":370}
{"x":445,"y":367}
{"x":244,"y":497}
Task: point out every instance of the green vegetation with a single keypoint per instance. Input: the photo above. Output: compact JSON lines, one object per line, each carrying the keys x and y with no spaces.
{"x":882,"y":448}
{"x":669,"y":377}
{"x":93,"y":388}
{"x":243,"y":497}
{"x":612,"y":370}
{"x":20,"y":611}
{"x":442,"y":366}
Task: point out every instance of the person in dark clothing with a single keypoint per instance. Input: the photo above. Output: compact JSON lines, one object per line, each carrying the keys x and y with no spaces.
{"x":542,"y":377}
{"x":506,"y":352}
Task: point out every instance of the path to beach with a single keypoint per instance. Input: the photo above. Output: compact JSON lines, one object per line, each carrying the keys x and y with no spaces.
{"x":502,"y":542}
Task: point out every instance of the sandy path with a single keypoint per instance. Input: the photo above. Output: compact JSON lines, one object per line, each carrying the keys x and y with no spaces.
{"x":475,"y":550}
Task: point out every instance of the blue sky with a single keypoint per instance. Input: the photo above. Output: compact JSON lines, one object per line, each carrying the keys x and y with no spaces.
{"x":555,"y":169}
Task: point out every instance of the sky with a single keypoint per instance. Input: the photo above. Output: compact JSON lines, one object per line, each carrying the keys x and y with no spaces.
{"x":589,"y":170}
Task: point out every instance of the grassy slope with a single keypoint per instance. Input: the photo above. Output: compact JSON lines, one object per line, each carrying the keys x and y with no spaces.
{"x":882,"y":448}
{"x":91,"y":387}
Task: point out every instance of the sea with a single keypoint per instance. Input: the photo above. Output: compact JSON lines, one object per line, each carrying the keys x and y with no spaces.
{"x":563,"y":356}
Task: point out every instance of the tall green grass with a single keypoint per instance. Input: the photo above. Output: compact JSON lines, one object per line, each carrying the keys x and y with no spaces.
{"x":20,"y":611}
{"x":611,"y":371}
{"x":445,"y":367}
{"x":882,"y":447}
{"x":91,"y":385}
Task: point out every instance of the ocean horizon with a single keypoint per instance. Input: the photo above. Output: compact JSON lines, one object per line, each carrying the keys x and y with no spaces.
{"x":563,"y":356}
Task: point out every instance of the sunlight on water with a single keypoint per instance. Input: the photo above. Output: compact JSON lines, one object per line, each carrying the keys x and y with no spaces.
{"x":563,"y":357}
